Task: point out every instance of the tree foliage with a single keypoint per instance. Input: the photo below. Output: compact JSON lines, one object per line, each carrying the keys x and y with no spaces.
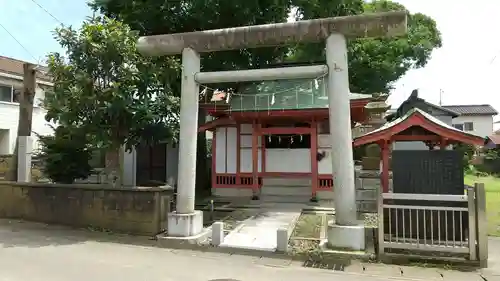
{"x":160,"y":17}
{"x":65,"y":155}
{"x":374,"y":64}
{"x":105,"y":88}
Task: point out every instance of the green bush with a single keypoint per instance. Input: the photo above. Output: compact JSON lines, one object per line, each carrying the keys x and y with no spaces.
{"x":468,"y":153}
{"x":65,"y":155}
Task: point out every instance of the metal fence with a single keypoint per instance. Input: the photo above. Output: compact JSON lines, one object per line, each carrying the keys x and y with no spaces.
{"x":434,"y":223}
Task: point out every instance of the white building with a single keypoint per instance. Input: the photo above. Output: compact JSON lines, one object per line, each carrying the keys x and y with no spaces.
{"x":11,"y":85}
{"x":472,"y":119}
{"x":476,"y":119}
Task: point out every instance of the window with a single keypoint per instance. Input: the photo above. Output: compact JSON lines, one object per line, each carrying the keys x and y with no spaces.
{"x":5,"y":93}
{"x":288,"y":141}
{"x":16,"y":94}
{"x":468,"y":126}
{"x":459,"y":126}
{"x":9,"y":93}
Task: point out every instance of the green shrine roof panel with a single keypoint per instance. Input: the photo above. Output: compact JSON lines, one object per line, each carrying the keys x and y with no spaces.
{"x":284,"y":95}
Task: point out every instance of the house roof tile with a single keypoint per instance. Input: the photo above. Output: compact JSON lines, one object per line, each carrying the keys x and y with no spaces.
{"x":15,"y":67}
{"x":478,"y":109}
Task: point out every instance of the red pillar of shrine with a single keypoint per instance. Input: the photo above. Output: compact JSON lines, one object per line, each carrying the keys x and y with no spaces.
{"x":384,"y":179}
{"x":314,"y":161}
{"x":255,"y":159}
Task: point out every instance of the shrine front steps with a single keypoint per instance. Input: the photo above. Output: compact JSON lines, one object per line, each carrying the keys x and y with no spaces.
{"x":285,"y":194}
{"x":289,"y":199}
{"x":282,"y":190}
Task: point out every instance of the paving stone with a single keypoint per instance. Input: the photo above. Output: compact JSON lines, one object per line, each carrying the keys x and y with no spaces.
{"x":187,"y":252}
{"x":213,"y":255}
{"x":354,"y":267}
{"x":382,"y":270}
{"x":449,"y":275}
{"x":420,"y":272}
{"x":274,"y":262}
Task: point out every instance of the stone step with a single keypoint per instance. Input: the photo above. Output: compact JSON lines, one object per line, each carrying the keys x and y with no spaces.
{"x":306,"y":181}
{"x":284,"y":199}
{"x":286,"y":190}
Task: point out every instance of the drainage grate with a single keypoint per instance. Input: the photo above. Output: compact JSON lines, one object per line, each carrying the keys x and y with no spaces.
{"x":324,"y":265}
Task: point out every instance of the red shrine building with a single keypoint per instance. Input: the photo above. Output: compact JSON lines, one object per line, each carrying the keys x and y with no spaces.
{"x":274,"y":134}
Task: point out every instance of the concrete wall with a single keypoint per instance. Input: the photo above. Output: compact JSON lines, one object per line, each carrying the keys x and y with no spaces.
{"x":134,"y":211}
{"x":9,"y":116}
{"x":483,"y":124}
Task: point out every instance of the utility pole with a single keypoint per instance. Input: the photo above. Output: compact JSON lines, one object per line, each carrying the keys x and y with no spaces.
{"x":20,"y":169}
{"x":440,"y":97}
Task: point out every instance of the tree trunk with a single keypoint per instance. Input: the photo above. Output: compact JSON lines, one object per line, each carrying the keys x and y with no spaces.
{"x":25,"y":114}
{"x":112,"y":169}
{"x":203,"y":183}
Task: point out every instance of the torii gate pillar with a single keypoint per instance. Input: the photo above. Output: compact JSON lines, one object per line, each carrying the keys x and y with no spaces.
{"x":347,"y":232}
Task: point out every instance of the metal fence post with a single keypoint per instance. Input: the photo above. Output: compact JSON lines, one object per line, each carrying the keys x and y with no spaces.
{"x":481,"y":224}
{"x":471,"y":207}
{"x":380,"y":216}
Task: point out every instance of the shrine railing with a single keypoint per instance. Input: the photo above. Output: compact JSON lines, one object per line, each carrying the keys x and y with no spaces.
{"x":450,"y":226}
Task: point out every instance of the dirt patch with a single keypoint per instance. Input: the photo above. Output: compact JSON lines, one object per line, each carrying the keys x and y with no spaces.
{"x":370,"y":219}
{"x":210,"y":217}
{"x":301,"y":246}
{"x":307,"y":234}
{"x":308,"y":226}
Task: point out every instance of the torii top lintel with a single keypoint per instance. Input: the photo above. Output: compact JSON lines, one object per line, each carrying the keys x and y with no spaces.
{"x":385,"y":24}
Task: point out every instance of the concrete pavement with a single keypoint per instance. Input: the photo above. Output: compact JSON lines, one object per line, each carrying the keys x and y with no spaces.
{"x":259,"y":232}
{"x":36,"y":252}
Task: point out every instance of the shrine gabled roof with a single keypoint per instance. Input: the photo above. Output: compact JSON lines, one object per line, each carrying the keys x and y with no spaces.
{"x":285,"y":95}
{"x":418,"y":117}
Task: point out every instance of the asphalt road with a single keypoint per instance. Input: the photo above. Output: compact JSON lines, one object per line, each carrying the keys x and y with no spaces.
{"x":35,"y":252}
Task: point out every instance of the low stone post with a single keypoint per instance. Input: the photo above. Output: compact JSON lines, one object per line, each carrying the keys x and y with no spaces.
{"x":282,"y":240}
{"x":217,"y":233}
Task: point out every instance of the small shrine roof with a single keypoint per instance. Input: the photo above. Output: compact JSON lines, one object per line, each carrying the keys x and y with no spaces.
{"x":426,"y":121}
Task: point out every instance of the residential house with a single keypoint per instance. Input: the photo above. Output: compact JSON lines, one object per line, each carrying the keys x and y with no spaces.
{"x":441,"y":113}
{"x":476,"y":119}
{"x":11,"y":85}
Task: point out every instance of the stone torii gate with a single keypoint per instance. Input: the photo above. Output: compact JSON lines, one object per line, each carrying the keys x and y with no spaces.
{"x":347,"y":232}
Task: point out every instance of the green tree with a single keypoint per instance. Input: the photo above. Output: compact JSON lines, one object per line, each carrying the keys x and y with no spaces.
{"x":65,"y":155}
{"x":162,"y":17}
{"x":374,"y":64}
{"x":104,"y":88}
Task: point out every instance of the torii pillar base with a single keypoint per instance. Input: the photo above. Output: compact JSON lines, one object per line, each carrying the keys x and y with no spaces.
{"x":346,"y":237}
{"x":185,"y":225}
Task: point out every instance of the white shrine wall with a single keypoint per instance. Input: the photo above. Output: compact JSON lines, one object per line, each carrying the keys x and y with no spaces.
{"x":325,"y":165}
{"x":276,"y":160}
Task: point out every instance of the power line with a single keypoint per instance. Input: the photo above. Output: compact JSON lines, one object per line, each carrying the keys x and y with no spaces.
{"x":41,"y":7}
{"x":18,"y":42}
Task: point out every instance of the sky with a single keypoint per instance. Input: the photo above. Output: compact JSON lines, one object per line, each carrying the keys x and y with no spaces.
{"x":466,"y":69}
